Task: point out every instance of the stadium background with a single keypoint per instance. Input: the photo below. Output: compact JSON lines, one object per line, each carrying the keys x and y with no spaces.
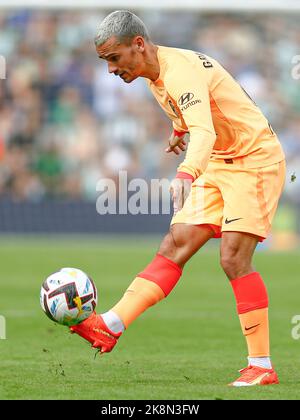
{"x":65,"y":122}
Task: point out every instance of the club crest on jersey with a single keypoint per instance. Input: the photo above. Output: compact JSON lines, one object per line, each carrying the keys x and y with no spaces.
{"x":185,"y":101}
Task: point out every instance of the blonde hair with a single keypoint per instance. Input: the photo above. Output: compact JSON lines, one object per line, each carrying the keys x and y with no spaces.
{"x":122,"y":24}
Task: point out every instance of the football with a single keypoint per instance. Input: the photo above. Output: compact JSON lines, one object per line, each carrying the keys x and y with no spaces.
{"x":68,"y":296}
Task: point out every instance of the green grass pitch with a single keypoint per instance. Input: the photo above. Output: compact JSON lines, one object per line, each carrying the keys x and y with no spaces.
{"x":187,"y":347}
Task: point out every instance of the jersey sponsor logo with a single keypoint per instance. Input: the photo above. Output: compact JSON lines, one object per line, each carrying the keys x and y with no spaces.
{"x":231,"y":220}
{"x":185,"y":98}
{"x":185,"y":101}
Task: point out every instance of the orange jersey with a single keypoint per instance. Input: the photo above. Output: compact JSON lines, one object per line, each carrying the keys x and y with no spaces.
{"x":201,"y":97}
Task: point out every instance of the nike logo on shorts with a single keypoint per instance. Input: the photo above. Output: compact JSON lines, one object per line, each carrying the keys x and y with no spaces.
{"x":231,"y":220}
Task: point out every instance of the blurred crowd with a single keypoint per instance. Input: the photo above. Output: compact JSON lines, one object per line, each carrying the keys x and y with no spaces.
{"x":65,"y":122}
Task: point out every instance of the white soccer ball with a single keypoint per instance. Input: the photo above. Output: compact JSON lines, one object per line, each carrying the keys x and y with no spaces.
{"x":68,"y":296}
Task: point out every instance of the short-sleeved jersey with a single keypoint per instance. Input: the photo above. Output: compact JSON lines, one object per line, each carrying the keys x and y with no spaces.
{"x":201,"y":97}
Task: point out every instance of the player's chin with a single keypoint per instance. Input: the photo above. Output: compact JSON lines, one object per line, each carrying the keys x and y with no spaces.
{"x":128,"y":78}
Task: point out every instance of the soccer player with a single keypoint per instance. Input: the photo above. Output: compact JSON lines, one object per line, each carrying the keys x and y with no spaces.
{"x":227,"y":186}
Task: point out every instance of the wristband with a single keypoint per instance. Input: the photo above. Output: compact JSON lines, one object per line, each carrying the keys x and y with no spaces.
{"x":179,"y":133}
{"x":184,"y":175}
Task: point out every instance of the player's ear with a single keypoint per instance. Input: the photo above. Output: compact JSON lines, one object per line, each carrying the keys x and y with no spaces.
{"x":139,"y":43}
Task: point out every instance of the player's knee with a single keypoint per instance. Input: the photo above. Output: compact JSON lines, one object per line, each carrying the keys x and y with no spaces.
{"x":183,"y":240}
{"x":169,"y":246}
{"x":233,"y":264}
{"x":175,"y":244}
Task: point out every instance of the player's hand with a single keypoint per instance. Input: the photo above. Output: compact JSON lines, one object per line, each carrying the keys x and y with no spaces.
{"x":176,"y":144}
{"x":180,"y":189}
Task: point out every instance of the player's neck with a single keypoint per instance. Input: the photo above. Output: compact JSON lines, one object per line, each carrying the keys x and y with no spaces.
{"x":151,"y":63}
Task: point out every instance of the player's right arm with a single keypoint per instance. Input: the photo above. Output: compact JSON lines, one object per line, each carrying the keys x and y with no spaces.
{"x":183,"y":80}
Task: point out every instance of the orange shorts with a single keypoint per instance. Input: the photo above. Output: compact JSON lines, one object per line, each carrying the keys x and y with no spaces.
{"x":232,"y":198}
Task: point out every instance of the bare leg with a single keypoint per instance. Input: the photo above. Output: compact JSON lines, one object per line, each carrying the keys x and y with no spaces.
{"x":183,"y":241}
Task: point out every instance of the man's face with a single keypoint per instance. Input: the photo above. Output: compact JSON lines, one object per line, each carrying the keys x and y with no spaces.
{"x":123,"y":60}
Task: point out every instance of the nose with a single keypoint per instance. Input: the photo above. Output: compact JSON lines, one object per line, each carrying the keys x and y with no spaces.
{"x":112,"y":68}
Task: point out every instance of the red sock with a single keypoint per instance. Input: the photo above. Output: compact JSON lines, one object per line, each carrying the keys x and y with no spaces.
{"x":148,"y":288}
{"x":252,"y":306}
{"x":250,"y":293}
{"x":162,"y":271}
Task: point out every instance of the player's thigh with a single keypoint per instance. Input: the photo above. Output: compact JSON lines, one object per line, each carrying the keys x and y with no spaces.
{"x":250,"y":198}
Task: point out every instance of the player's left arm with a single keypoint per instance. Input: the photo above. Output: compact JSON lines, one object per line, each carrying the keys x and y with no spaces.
{"x":176,"y":142}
